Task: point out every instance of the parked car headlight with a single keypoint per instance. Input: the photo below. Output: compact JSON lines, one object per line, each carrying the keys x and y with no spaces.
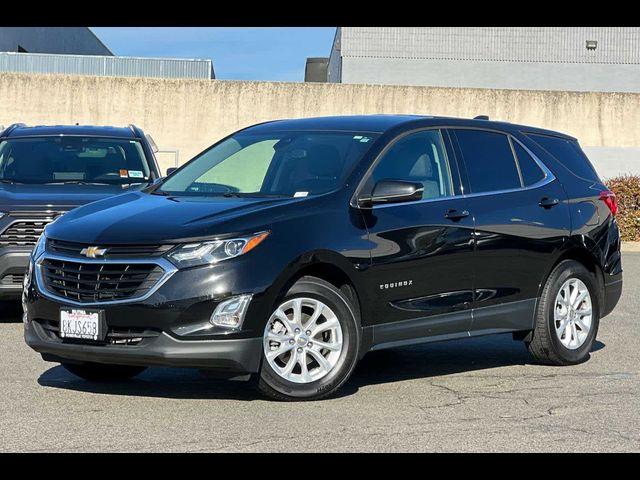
{"x":203,"y":253}
{"x":2,"y":214}
{"x":40,"y":246}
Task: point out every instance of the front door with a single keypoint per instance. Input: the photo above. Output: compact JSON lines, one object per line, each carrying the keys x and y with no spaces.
{"x":420,"y":275}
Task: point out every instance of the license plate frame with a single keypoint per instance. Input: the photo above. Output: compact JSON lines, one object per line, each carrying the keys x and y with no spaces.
{"x":82,"y":324}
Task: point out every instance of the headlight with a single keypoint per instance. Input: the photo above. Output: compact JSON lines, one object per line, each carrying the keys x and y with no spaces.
{"x":2,"y":214}
{"x":40,"y":246}
{"x":196,"y":254}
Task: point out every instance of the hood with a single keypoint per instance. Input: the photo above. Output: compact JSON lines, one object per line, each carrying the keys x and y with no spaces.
{"x":141,"y":218}
{"x":16,"y":197}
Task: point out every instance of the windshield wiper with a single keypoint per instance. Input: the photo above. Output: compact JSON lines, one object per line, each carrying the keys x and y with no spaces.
{"x":10,"y":182}
{"x":254,"y":195}
{"x":76,"y":182}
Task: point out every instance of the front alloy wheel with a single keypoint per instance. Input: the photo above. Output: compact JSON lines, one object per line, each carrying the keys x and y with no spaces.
{"x":310,"y":341}
{"x":303,"y":340}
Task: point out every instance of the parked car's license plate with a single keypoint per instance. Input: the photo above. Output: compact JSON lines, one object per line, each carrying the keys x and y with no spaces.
{"x":83,"y":324}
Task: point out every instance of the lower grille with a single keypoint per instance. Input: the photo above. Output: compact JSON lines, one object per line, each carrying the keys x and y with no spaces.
{"x":15,"y":279}
{"x":99,"y":282}
{"x":115,"y":335}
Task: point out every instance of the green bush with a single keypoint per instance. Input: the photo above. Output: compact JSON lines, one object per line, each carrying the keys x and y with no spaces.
{"x":627,"y":190}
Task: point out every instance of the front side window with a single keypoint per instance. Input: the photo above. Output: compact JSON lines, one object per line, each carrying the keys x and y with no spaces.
{"x":490,"y":163}
{"x":71,"y":159}
{"x":272,"y":164}
{"x":421,"y":158}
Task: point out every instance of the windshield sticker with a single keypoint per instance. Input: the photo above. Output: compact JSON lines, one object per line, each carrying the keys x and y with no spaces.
{"x":357,"y":137}
{"x":136,"y":174}
{"x":365,"y":139}
{"x":68,"y":175}
{"x":300,"y":194}
{"x":124,"y":173}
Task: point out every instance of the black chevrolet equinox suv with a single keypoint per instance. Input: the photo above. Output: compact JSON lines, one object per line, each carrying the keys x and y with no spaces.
{"x":291,"y":248}
{"x":45,"y":171}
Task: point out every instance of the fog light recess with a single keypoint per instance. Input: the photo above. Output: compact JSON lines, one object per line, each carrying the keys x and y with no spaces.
{"x":230,"y":313}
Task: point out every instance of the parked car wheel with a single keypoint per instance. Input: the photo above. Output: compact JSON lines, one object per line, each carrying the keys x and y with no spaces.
{"x":567,"y":317}
{"x":100,"y":372}
{"x":310,"y":342}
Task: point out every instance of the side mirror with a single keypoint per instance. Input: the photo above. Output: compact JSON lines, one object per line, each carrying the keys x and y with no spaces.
{"x":170,"y":170}
{"x":392,"y":191}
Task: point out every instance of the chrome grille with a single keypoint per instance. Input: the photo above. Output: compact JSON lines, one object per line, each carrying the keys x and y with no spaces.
{"x":23,"y":233}
{"x":87,"y":282}
{"x":113,"y":251}
{"x":12,"y":279}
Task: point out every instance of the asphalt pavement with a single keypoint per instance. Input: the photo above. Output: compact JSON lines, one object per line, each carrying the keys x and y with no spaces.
{"x":483,"y":394}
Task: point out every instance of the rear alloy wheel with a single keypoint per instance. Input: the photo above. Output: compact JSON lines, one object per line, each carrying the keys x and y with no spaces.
{"x":310,"y":342}
{"x":573,"y":313}
{"x":567,"y":316}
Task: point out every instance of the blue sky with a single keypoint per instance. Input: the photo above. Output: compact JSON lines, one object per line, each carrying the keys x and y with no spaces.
{"x":238,"y":53}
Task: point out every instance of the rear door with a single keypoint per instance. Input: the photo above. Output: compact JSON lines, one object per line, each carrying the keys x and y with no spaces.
{"x":521,"y":219}
{"x":421,"y":278}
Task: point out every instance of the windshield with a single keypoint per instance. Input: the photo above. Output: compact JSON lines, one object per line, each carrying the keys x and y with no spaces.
{"x":274,"y":164}
{"x":48,"y":160}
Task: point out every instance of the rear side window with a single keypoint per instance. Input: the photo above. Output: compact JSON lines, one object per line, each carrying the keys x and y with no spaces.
{"x":569,"y":153}
{"x":489,"y":160}
{"x":531,"y":172}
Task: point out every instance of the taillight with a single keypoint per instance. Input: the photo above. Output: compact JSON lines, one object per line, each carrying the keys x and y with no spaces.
{"x":610,"y":199}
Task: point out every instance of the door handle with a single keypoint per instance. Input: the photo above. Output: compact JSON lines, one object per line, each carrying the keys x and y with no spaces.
{"x":456,"y":214}
{"x":547,"y":202}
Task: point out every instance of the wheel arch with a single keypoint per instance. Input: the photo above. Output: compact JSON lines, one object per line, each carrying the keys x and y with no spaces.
{"x":581,"y":253}
{"x":327,"y":265}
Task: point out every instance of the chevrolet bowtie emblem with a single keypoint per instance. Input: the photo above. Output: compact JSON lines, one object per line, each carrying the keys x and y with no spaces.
{"x":93,"y":252}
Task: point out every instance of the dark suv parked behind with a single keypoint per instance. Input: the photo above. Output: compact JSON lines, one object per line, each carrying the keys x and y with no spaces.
{"x":47,"y":170}
{"x":291,"y":248}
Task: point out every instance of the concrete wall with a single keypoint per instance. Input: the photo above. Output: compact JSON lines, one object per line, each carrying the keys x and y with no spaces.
{"x":189,"y":115}
{"x":585,"y":77}
{"x":68,"y":40}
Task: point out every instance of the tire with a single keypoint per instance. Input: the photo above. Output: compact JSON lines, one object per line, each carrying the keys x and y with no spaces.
{"x":100,"y":372}
{"x":546,"y":345}
{"x":306,"y":291}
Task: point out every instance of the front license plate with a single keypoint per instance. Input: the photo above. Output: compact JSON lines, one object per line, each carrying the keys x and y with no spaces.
{"x":82,"y":324}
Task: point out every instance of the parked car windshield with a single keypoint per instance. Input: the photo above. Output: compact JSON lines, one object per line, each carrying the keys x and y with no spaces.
{"x":72,"y":159}
{"x":271,"y":164}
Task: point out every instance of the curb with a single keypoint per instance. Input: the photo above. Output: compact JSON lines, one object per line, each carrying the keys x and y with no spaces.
{"x":630,"y":247}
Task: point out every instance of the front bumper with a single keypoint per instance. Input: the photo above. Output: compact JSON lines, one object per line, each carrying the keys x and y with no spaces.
{"x":238,"y":356}
{"x":176,"y":317}
{"x":13,"y":262}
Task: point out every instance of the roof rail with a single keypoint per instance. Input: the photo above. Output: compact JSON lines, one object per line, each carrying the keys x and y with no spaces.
{"x":481,"y":117}
{"x":11,"y":127}
{"x":136,"y":131}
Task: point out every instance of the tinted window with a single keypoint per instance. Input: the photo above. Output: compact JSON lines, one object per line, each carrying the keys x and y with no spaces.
{"x":73,"y":159}
{"x":569,"y":153}
{"x":531,"y":172}
{"x":419,"y":157}
{"x":283,"y":163}
{"x":489,"y":160}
